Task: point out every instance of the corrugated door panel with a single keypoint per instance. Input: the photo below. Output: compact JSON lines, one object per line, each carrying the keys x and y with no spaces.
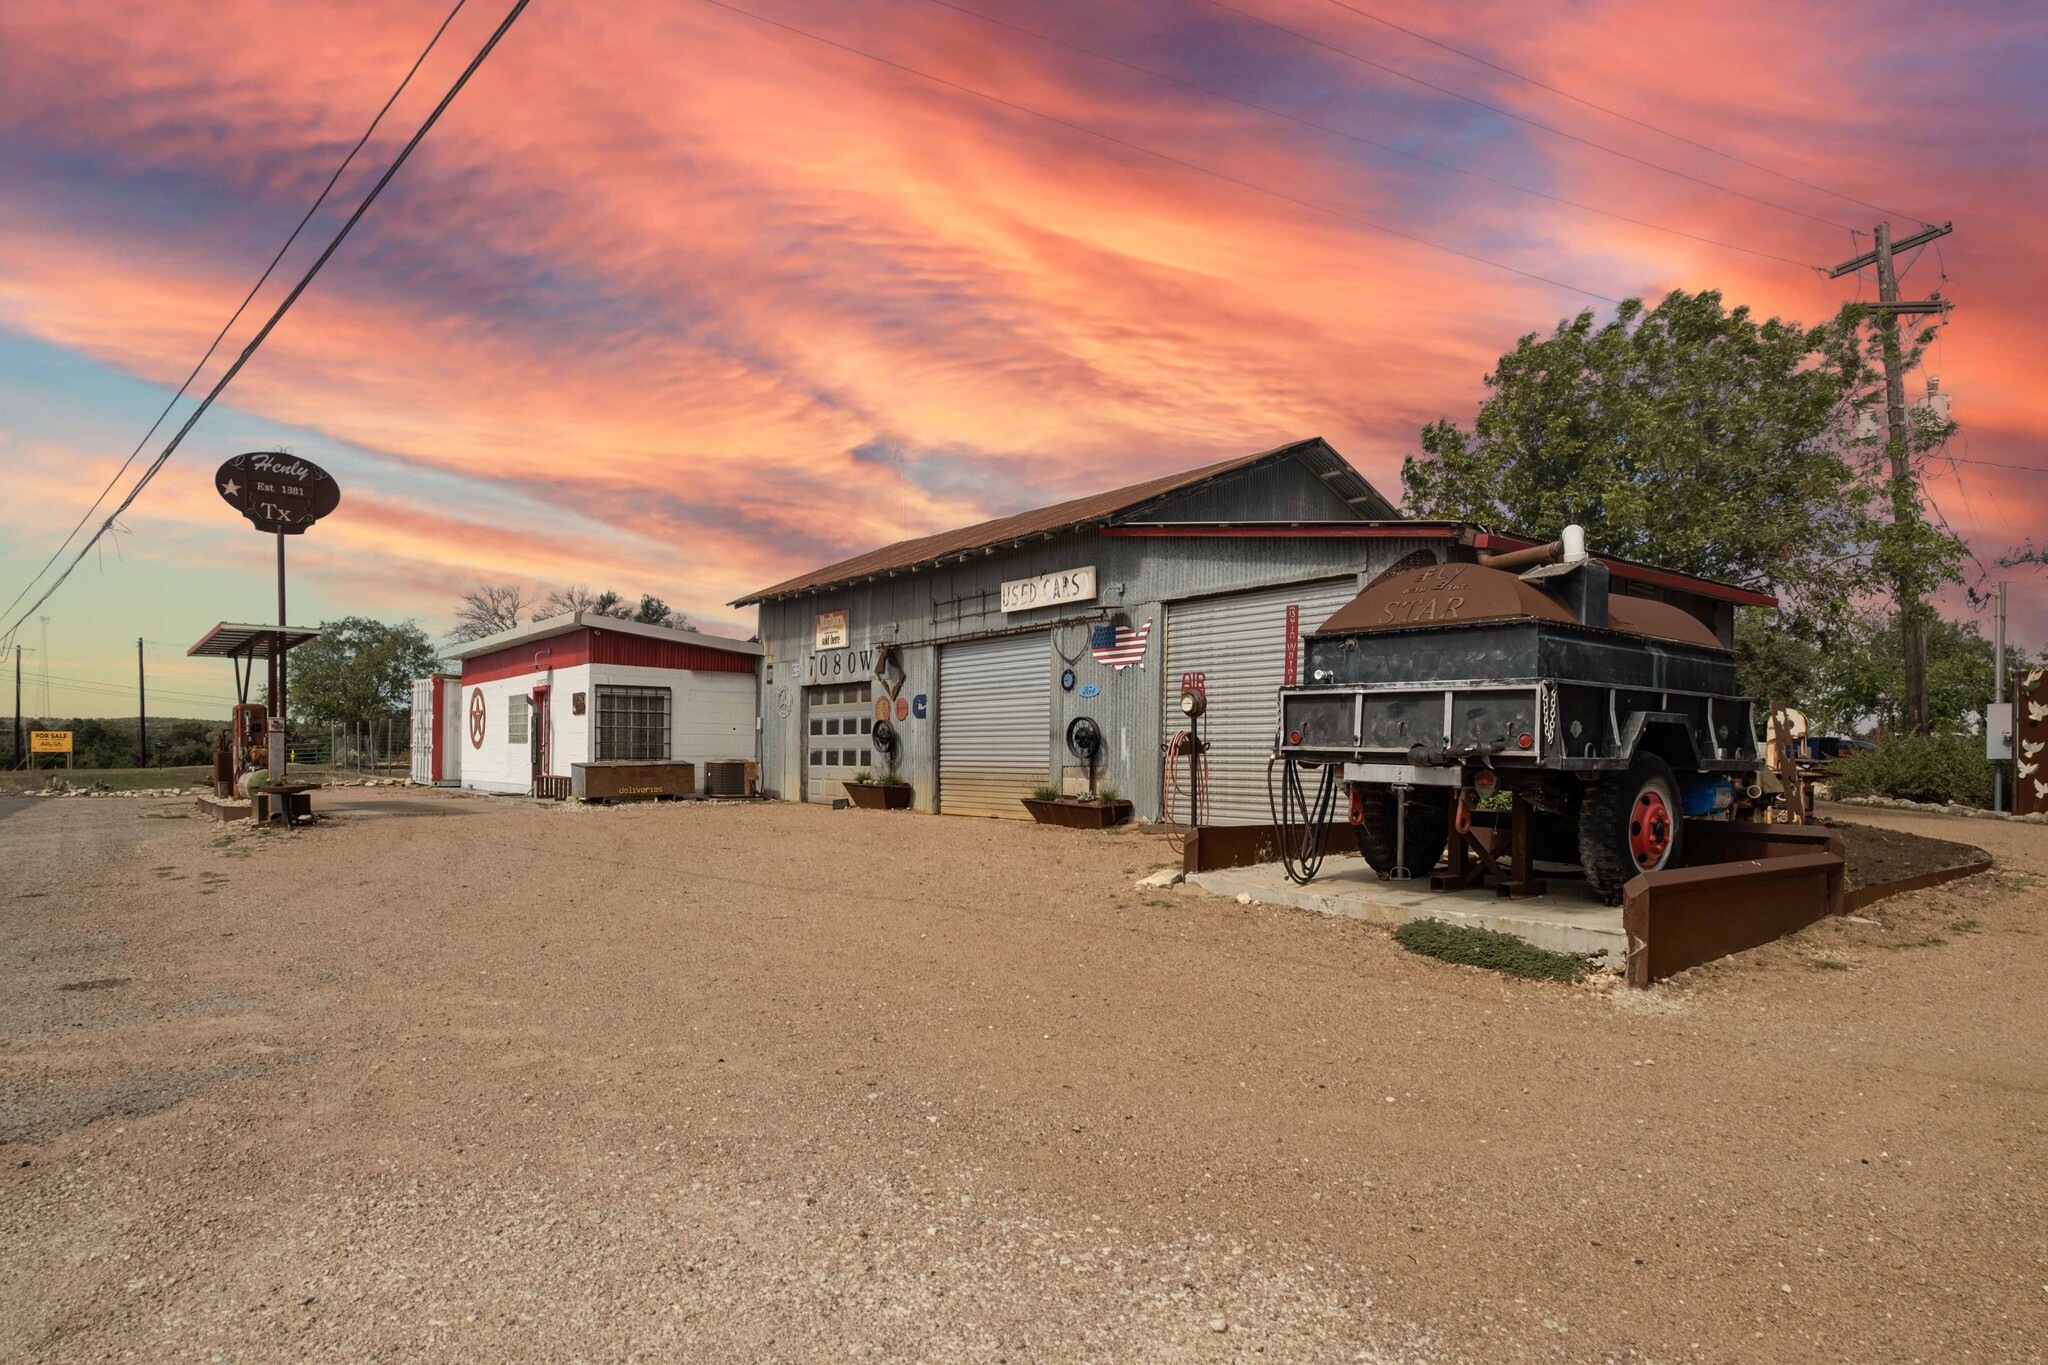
{"x":995,"y":722}
{"x":1240,"y":642}
{"x":423,"y":729}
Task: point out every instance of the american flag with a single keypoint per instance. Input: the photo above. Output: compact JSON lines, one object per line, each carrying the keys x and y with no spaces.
{"x":1119,"y":646}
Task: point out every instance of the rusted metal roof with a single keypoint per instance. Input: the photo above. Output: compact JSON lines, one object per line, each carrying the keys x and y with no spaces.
{"x":229,"y":640}
{"x":1115,"y":505}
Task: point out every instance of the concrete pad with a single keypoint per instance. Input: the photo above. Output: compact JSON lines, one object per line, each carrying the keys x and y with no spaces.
{"x":1568,"y":919}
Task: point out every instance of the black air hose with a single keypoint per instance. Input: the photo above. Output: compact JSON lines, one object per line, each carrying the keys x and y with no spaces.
{"x":1297,"y":826}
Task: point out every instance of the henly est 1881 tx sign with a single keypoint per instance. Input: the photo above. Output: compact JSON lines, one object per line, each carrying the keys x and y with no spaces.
{"x":277,"y":492}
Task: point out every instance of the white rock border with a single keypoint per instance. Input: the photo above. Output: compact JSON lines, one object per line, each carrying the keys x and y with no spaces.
{"x":1942,"y":808}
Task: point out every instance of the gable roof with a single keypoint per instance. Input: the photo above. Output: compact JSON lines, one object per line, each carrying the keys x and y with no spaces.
{"x":549,"y":626}
{"x":1107,"y":508}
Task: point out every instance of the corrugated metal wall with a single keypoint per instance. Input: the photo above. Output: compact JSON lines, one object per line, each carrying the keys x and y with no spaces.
{"x":962,"y":601}
{"x":994,"y":713}
{"x":1240,"y":643}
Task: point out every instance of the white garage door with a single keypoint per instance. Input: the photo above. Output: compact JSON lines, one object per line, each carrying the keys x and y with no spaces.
{"x":1240,"y":642}
{"x":995,"y":721}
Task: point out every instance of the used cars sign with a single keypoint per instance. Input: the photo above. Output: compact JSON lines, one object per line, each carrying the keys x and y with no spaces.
{"x":277,"y":492}
{"x":1050,"y":589}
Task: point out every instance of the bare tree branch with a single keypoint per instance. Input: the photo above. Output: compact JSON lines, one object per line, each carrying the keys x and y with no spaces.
{"x":489,"y":608}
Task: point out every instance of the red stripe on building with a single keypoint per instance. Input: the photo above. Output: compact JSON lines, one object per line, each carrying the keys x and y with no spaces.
{"x":589,"y":646}
{"x":616,"y":647}
{"x":535,"y":656}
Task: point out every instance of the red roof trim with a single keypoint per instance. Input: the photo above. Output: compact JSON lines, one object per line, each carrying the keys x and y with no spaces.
{"x":1644,"y":573}
{"x":594,"y":645}
{"x":1285,"y":532}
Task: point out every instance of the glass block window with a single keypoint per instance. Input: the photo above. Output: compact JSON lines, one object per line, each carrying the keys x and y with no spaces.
{"x":632,"y":722}
{"x":517,"y":709}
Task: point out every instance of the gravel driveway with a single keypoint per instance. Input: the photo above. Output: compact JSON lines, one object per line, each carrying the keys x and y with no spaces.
{"x":449,"y":1078}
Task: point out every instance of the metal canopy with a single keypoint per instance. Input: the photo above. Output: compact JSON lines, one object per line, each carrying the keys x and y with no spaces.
{"x":230,"y":641}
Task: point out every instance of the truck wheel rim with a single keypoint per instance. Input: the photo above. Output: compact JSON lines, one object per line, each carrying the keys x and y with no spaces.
{"x":1649,"y":829}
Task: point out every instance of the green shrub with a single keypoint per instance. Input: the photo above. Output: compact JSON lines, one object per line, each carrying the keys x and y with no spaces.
{"x":892,"y":778}
{"x":1108,"y":795}
{"x":1046,"y":792}
{"x":1485,"y":948}
{"x":1917,"y":768}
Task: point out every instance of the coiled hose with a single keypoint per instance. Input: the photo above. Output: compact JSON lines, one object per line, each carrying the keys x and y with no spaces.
{"x":1297,"y":826}
{"x":1175,"y":792}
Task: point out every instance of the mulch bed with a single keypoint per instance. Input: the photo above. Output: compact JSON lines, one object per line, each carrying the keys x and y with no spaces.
{"x":1887,"y":855}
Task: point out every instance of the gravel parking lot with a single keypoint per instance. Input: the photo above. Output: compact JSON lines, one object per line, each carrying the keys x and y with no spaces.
{"x":453,"y":1078}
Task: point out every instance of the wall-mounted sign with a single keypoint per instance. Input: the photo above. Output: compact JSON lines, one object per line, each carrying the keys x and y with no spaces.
{"x":49,"y":741}
{"x":277,"y":492}
{"x":1119,"y":646}
{"x":1050,"y":589}
{"x":840,"y":665}
{"x":831,"y":630}
{"x":920,"y":706}
{"x":1090,"y":690}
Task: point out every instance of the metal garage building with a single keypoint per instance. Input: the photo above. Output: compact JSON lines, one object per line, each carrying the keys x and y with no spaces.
{"x":983,"y":645}
{"x":992,"y":639}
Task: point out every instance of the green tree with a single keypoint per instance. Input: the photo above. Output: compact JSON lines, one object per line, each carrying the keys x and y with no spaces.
{"x":358,"y":670}
{"x":1692,"y":436}
{"x":1774,"y":666}
{"x":1864,"y":676}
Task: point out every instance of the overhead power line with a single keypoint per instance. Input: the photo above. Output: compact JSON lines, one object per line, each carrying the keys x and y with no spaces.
{"x":1168,"y":157}
{"x":240,"y":308}
{"x":1552,"y":129}
{"x":1616,"y":113}
{"x":277,"y":316}
{"x":1365,"y":141}
{"x":1998,"y":464}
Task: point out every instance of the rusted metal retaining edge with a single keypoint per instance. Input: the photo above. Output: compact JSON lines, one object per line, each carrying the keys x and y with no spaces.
{"x":1709,"y":842}
{"x":1211,"y":848}
{"x":1685,"y":916}
{"x":1862,"y":896}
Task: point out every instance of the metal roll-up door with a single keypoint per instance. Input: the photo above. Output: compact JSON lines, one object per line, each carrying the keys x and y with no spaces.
{"x":1240,"y":643}
{"x":995,"y":722}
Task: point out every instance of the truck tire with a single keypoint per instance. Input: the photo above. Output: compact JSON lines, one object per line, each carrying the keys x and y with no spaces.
{"x":1630,"y":822}
{"x":1428,"y":825}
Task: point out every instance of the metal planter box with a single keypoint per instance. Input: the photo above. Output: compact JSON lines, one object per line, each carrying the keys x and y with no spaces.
{"x":632,"y":780}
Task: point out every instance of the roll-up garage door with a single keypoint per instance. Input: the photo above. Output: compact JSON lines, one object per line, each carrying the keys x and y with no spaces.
{"x":1240,"y":643}
{"x":995,"y":722}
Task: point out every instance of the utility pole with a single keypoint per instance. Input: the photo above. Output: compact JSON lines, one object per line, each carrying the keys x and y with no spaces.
{"x":1905,"y":487}
{"x":19,"y":747}
{"x":141,"y":711}
{"x":1998,"y":687}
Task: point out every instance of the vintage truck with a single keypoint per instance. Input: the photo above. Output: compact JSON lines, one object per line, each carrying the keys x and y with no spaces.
{"x":1614,"y":716}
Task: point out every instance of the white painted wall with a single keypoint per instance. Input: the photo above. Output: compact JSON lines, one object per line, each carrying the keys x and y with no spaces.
{"x":711,"y":716}
{"x":497,"y":766}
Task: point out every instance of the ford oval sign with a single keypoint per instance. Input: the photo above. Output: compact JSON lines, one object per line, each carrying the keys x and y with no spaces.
{"x":277,"y":492}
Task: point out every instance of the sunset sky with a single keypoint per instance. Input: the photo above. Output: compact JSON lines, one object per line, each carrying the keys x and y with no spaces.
{"x":676,"y":300}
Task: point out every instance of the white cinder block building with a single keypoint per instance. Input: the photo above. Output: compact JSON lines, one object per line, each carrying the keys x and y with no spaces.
{"x":583,"y":688}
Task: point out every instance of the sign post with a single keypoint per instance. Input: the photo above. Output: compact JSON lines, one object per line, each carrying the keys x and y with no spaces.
{"x":282,"y":494}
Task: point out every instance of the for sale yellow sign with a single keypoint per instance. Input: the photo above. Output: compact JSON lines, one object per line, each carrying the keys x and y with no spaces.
{"x":49,"y":741}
